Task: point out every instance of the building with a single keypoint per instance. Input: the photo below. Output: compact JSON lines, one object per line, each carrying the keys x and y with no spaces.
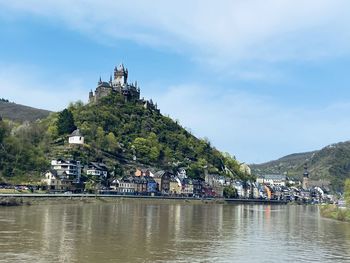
{"x":272,"y":179}
{"x":215,"y":180}
{"x":151,"y":185}
{"x":140,"y":183}
{"x":187,"y":187}
{"x":143,"y":172}
{"x":70,"y":168}
{"x":238,"y":185}
{"x":197,"y":187}
{"x":130,"y":91}
{"x":305,"y":178}
{"x":97,"y":169}
{"x":54,"y":182}
{"x":76,"y":138}
{"x":126,"y":186}
{"x":163,"y":180}
{"x":175,"y":185}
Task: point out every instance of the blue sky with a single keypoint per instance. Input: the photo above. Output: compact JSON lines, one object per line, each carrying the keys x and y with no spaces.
{"x":259,"y":79}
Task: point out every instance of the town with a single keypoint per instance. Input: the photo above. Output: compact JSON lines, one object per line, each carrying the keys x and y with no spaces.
{"x":65,"y":177}
{"x":69,"y":175}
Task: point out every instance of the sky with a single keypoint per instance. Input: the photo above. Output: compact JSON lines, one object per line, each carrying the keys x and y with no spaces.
{"x":259,"y":79}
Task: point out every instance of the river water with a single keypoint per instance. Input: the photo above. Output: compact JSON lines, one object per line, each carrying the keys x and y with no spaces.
{"x":144,"y":231}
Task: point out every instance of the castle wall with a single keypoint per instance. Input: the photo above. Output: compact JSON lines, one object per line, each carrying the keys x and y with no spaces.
{"x":102,"y":92}
{"x":119,"y":84}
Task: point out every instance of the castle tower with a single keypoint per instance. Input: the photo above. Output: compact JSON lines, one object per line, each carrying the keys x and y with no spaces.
{"x":305,"y":178}
{"x":91,"y":96}
{"x":120,"y":75}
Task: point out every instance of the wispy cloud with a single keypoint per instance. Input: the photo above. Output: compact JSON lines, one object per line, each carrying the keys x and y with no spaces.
{"x":246,"y":39}
{"x":220,"y":33}
{"x":256,"y":128}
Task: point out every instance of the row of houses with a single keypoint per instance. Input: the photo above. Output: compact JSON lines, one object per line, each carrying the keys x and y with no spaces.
{"x":164,"y":183}
{"x":66,"y":175}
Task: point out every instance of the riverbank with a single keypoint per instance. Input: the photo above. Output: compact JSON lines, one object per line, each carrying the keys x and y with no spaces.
{"x":13,"y":201}
{"x":334,"y":212}
{"x":33,"y":199}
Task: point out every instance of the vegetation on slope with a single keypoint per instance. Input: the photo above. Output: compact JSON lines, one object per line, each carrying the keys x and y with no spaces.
{"x":20,"y":113}
{"x":339,"y":213}
{"x":124,"y":135}
{"x":330,"y":163}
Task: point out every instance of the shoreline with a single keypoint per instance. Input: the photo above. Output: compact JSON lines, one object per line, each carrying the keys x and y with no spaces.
{"x":335,"y":212}
{"x":33,"y":199}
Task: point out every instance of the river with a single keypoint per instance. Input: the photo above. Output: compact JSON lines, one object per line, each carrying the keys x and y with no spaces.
{"x":143,"y":231}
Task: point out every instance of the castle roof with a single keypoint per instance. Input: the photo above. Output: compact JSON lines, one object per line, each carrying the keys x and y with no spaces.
{"x":104,"y":84}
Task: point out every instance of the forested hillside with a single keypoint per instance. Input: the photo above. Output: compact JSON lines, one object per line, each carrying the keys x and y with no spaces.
{"x":122,"y":134}
{"x":20,"y":113}
{"x":330,"y":163}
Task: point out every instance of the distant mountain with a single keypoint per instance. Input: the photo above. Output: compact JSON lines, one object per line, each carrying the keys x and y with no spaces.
{"x":330,"y":163}
{"x":20,"y":113}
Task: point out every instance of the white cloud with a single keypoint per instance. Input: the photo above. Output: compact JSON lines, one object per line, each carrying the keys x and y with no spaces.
{"x":255,"y":128}
{"x":222,"y":32}
{"x":25,"y":85}
{"x":244,"y":37}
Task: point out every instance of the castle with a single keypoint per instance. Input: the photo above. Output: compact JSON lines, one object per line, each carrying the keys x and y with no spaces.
{"x":119,"y":84}
{"x":130,"y":91}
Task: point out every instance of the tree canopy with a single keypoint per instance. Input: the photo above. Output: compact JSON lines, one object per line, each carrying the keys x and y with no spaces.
{"x":114,"y":130}
{"x":65,"y":122}
{"x":347,"y":192}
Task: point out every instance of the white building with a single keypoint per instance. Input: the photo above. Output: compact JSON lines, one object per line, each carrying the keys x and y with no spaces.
{"x":126,"y":185}
{"x":272,"y":179}
{"x":97,"y":169}
{"x":71,"y":168}
{"x":76,"y":138}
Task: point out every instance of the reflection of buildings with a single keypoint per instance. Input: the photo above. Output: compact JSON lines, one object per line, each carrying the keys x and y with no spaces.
{"x":57,"y":236}
{"x":129,"y":231}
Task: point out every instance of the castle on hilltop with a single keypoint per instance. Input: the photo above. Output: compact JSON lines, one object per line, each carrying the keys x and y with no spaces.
{"x":130,"y":91}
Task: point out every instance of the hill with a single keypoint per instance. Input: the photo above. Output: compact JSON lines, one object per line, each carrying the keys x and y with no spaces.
{"x":124,"y":135}
{"x":330,"y":163}
{"x":21,"y":113}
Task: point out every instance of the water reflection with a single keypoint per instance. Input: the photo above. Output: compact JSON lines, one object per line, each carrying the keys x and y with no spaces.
{"x":133,"y":231}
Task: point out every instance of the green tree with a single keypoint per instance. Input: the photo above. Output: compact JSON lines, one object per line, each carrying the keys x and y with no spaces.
{"x":92,"y":183}
{"x":3,"y":130}
{"x":65,"y":122}
{"x":141,"y":146}
{"x":100,"y":137}
{"x":111,"y":141}
{"x":347,"y":192}
{"x":230,"y":192}
{"x":118,"y":170}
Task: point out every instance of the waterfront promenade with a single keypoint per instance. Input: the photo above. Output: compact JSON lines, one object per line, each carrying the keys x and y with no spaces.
{"x":110,"y":196}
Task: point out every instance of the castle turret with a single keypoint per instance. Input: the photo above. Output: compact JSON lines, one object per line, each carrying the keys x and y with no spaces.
{"x":91,"y":96}
{"x":120,"y":75}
